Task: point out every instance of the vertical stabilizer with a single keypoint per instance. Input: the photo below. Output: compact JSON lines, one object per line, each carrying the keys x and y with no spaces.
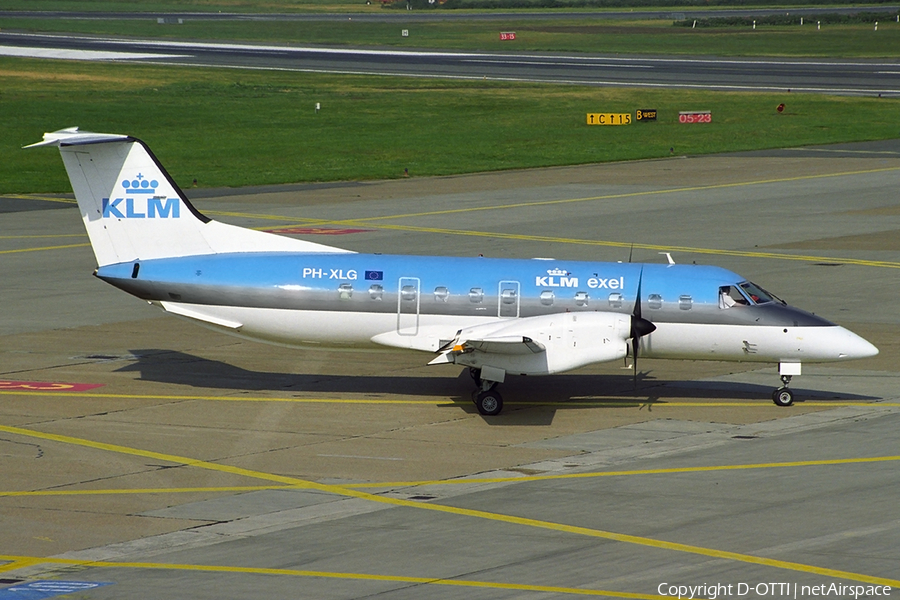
{"x":133,"y":211}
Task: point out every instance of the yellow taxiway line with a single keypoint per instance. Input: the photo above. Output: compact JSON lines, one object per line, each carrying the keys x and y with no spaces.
{"x":18,"y":562}
{"x":480,"y":514}
{"x":681,"y":190}
{"x":42,"y":248}
{"x":467,"y":480}
{"x":612,"y":402}
{"x":667,"y":248}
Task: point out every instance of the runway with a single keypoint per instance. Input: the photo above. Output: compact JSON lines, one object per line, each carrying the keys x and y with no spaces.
{"x":828,"y":76}
{"x":203,"y":466}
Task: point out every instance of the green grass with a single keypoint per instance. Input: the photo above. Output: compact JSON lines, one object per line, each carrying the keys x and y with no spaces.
{"x":236,"y":128}
{"x":289,"y":6}
{"x":235,"y":6}
{"x":584,"y":35}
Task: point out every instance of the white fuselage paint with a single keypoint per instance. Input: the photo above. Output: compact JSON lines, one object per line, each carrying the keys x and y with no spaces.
{"x":690,"y":341}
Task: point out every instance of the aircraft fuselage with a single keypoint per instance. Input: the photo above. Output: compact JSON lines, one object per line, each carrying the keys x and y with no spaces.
{"x":409,"y":301}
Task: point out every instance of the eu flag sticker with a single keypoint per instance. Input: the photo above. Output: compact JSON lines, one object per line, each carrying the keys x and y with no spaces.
{"x":374,"y":275}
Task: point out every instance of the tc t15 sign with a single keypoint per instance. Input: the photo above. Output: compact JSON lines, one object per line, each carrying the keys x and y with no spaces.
{"x":609,"y":119}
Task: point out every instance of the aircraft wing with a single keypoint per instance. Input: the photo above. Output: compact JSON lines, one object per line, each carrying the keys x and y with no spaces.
{"x":541,"y":344}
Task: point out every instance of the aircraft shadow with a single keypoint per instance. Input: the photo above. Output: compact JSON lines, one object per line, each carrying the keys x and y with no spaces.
{"x":544,"y":394}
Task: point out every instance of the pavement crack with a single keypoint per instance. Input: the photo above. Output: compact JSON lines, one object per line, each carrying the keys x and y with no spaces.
{"x":39,"y":453}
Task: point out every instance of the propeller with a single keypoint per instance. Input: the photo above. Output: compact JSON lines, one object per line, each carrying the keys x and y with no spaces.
{"x":639,"y":326}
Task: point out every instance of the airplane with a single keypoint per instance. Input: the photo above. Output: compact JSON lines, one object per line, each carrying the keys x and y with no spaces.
{"x":496,"y":317}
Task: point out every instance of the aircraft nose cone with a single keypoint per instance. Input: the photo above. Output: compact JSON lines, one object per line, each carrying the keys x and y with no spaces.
{"x":854,"y":346}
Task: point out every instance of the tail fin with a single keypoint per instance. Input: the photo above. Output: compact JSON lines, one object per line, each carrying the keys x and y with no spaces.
{"x":133,"y":210}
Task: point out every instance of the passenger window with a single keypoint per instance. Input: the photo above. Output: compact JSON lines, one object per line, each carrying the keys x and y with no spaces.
{"x":476,"y":295}
{"x":441,"y":294}
{"x":547,"y":297}
{"x":376,"y":292}
{"x":581,"y":298}
{"x":654,"y":301}
{"x":615,"y":300}
{"x":408,"y":293}
{"x":345,"y":290}
{"x":685,"y":302}
{"x":508,"y":296}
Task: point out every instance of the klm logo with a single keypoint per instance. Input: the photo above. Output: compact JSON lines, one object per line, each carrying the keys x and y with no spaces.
{"x":141,"y":208}
{"x":140,"y":202}
{"x":556,"y":278}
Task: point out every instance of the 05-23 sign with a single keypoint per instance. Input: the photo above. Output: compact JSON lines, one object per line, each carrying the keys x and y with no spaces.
{"x":695,"y":116}
{"x":609,"y":118}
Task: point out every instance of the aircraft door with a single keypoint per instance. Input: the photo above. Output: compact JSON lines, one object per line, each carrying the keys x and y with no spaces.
{"x":408,"y":297}
{"x":508,"y":299}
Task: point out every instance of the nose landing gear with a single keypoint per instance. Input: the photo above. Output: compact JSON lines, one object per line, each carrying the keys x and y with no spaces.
{"x":783,"y":396}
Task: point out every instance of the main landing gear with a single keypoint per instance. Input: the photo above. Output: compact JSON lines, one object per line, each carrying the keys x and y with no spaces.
{"x":783,"y":396}
{"x":487,"y":400}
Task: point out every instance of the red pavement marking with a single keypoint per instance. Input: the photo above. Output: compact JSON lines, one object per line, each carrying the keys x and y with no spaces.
{"x":44,"y":386}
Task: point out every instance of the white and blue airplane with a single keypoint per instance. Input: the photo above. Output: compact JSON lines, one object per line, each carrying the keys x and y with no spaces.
{"x":497,"y":317}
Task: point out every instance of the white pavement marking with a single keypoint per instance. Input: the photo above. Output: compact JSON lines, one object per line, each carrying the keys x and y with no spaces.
{"x":59,"y":53}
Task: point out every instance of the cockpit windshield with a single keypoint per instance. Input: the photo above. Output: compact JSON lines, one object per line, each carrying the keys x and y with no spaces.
{"x":744,"y":294}
{"x":756,"y":293}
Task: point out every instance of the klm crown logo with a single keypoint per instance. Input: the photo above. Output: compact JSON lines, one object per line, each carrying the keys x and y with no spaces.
{"x":140,"y":185}
{"x":136,"y":203}
{"x":557,"y":272}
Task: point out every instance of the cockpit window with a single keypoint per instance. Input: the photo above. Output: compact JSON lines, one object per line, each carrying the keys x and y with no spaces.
{"x":743,"y":294}
{"x":730,"y":295}
{"x":756,"y":293}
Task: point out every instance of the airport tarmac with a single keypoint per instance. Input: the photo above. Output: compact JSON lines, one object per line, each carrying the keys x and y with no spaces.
{"x":205,"y":466}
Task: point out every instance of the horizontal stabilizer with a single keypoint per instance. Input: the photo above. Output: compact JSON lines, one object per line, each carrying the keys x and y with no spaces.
{"x":183,"y":310}
{"x":73,"y":137}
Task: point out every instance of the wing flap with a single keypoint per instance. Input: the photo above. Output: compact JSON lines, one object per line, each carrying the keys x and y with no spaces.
{"x":509,"y":344}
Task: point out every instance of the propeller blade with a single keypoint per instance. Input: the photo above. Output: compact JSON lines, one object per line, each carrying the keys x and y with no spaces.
{"x":634,"y":374}
{"x":639,"y":326}
{"x":636,"y":311}
{"x":634,"y":351}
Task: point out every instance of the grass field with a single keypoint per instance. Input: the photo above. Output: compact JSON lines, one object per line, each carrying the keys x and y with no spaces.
{"x":584,"y":35}
{"x":235,"y":128}
{"x":257,"y":6}
{"x":294,"y":6}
